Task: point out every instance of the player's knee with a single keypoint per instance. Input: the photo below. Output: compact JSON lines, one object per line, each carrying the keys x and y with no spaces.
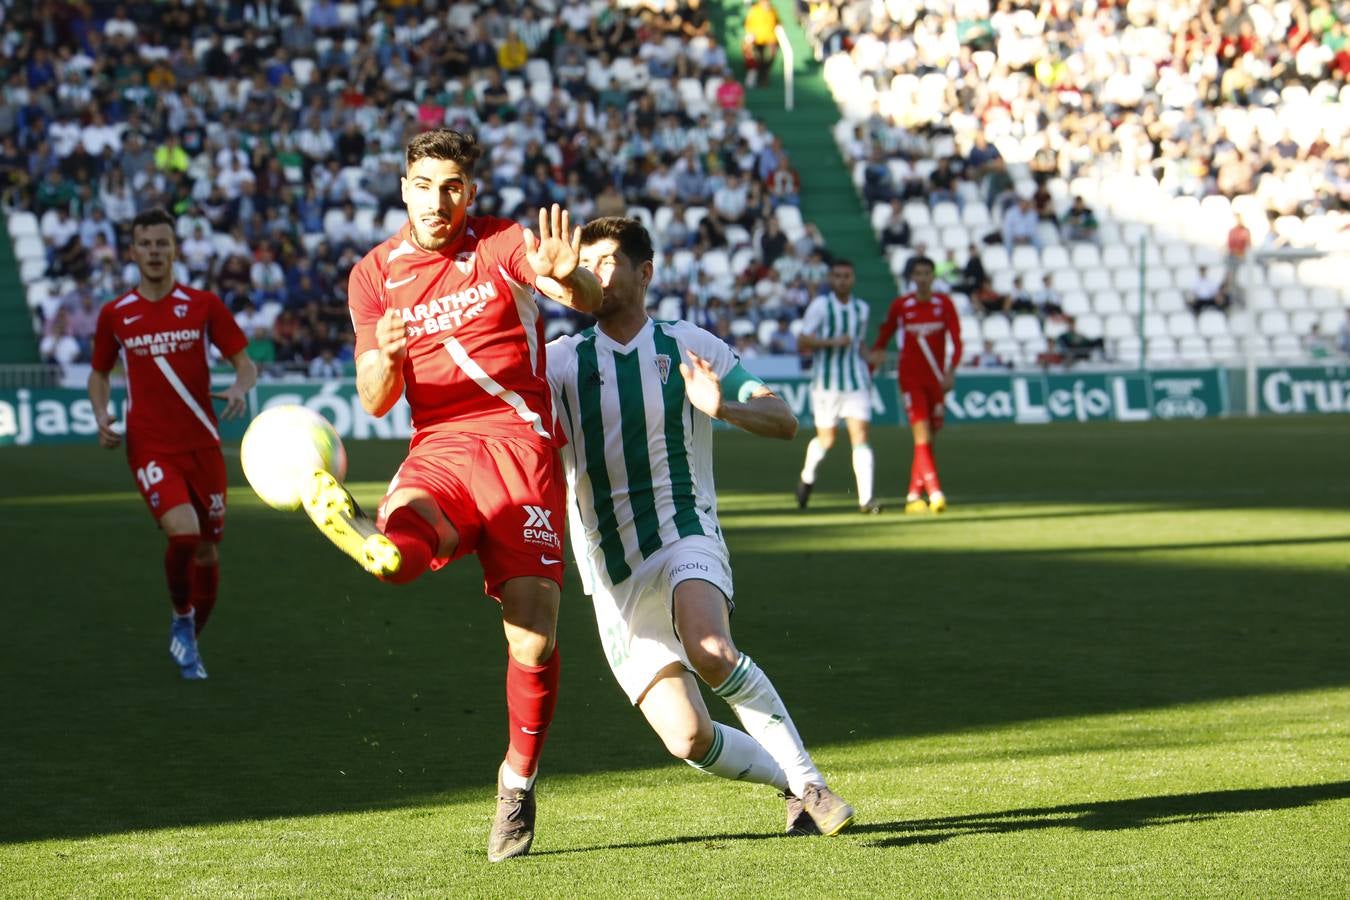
{"x":687,"y":741}
{"x":713,"y":658}
{"x":206,"y":554}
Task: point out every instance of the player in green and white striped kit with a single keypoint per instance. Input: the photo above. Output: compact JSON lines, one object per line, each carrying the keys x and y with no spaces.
{"x":636,"y":399}
{"x":835,"y":326}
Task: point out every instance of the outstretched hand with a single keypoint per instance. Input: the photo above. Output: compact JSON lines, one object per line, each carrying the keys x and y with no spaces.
{"x":702,"y":385}
{"x":552,"y":254}
{"x":236,"y":401}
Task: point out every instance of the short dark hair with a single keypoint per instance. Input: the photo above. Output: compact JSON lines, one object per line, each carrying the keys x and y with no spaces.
{"x":840,"y":261}
{"x":444,"y":143}
{"x":629,"y":234}
{"x":916,"y":261}
{"x":151,"y":217}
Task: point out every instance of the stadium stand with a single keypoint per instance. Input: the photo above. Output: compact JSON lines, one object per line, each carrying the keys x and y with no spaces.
{"x":274,"y":130}
{"x":1132,"y":136}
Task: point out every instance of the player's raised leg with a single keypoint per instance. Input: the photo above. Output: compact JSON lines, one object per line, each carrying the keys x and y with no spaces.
{"x":702,"y":621}
{"x":335,"y":512}
{"x":530,"y":620}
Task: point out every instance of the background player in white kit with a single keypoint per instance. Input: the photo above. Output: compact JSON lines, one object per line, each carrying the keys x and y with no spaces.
{"x":834,"y":327}
{"x":636,"y":399}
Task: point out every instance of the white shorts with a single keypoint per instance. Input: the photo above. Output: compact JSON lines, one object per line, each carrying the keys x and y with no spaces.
{"x":828,"y":406}
{"x":636,"y":618}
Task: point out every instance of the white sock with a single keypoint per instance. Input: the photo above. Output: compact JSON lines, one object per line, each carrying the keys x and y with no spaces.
{"x":515,"y":781}
{"x":862,"y":470}
{"x":752,"y":697}
{"x":815,"y":452}
{"x":190,"y":614}
{"x":736,"y":755}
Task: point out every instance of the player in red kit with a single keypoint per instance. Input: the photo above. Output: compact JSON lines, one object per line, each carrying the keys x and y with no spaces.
{"x":445,"y":315}
{"x":161,"y":331}
{"x":926,"y":321}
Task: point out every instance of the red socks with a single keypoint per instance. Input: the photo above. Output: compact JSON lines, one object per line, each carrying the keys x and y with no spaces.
{"x":205,"y":581}
{"x":531,"y":695}
{"x":924,"y":470}
{"x":415,"y":538}
{"x":177,"y":567}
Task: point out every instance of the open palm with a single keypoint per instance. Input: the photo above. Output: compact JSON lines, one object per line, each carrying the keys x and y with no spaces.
{"x":552,"y":254}
{"x":702,"y":385}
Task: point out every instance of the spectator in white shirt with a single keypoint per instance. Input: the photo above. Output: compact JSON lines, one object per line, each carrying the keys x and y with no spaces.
{"x":1020,"y":223}
{"x":1206,"y":292}
{"x":198,"y":251}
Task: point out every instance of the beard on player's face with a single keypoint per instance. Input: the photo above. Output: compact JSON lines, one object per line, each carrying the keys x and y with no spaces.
{"x":437,"y":195}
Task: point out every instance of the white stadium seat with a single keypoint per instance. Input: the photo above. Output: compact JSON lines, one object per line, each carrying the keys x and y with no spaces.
{"x":1194,"y":350}
{"x":945,"y":214}
{"x":1085,"y":256}
{"x":996,"y":328}
{"x":1116,"y":256}
{"x":955,"y":237}
{"x":1027,"y":328}
{"x":1176,"y":254}
{"x":1181,"y":325}
{"x":1025,"y":258}
{"x":1274,"y":322}
{"x":1155,"y":327}
{"x":1096,"y":280}
{"x":1054,"y":258}
{"x":1292,"y":298}
{"x":1119,"y":326}
{"x":1107,"y":303}
{"x":22,"y":224}
{"x":918,"y":215}
{"x":1075,"y":303}
{"x":1212,"y":323}
{"x":995,"y":258}
{"x":976,"y":216}
{"x":1090,"y":326}
{"x":1125,"y":280}
{"x":1261,"y":298}
{"x":1223,"y":348}
{"x":1068,"y":280}
{"x":1169,"y":301}
{"x":1301,"y":321}
{"x":1161,"y":350}
{"x":1286,"y":346}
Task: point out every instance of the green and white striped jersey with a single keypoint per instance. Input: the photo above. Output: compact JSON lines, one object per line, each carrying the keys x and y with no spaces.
{"x":638,"y":456}
{"x":838,"y":368}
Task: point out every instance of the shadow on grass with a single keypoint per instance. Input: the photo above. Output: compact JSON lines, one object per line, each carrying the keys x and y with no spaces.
{"x":1105,"y":815}
{"x":1109,"y":815}
{"x":332,"y":693}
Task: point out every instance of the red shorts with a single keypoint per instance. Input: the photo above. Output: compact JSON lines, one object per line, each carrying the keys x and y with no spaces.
{"x":923,"y":401}
{"x":197,"y":477}
{"x":504,"y":495}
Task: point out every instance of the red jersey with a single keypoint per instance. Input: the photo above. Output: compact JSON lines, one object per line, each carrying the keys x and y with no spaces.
{"x":923,"y":344}
{"x":475,"y":336}
{"x":163,"y":348}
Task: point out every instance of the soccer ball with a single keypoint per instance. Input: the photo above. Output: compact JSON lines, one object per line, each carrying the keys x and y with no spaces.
{"x":283,"y":447}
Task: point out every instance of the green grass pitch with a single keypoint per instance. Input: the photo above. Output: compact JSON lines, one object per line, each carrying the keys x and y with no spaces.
{"x":1119,"y":665}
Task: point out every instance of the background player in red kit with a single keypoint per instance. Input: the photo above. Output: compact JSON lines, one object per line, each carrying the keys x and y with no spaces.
{"x":444,"y":313}
{"x":926,"y":321}
{"x":173,"y":446}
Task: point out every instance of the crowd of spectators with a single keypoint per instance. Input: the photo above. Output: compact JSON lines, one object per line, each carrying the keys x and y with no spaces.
{"x":1001,"y":104}
{"x":274,"y":130}
{"x":1143,"y":85}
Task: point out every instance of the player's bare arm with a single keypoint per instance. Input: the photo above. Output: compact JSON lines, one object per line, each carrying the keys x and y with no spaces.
{"x":553,"y":256}
{"x":236,"y":395}
{"x":811,"y":342}
{"x":100,"y":392}
{"x":764,"y":413}
{"x":379,"y":372}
